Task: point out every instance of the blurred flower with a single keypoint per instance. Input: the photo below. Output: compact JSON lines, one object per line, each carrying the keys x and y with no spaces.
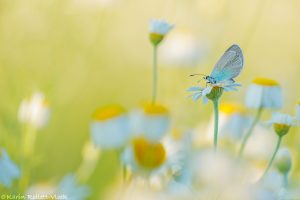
{"x":272,"y":181}
{"x":9,"y":171}
{"x":110,"y":127}
{"x":148,"y":155}
{"x":71,"y":189}
{"x":260,"y":145}
{"x":34,"y":111}
{"x":151,"y":121}
{"x":214,"y":170}
{"x":283,"y":161}
{"x":41,"y":191}
{"x":183,"y":49}
{"x":264,"y":93}
{"x":155,"y":162}
{"x":158,"y":29}
{"x":282,"y":123}
{"x":90,"y":155}
{"x":233,"y":121}
{"x":212,"y":91}
{"x":217,"y":176}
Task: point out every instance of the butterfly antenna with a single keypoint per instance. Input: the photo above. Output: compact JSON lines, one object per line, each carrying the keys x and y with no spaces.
{"x":197,"y":75}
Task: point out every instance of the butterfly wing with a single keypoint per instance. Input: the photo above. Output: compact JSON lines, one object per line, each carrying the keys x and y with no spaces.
{"x":229,"y":65}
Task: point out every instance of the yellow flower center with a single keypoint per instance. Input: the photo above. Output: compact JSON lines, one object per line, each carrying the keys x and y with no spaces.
{"x":108,"y":112}
{"x":155,"y":109}
{"x":265,"y":82}
{"x":281,"y":129}
{"x":156,"y":38}
{"x":148,"y":155}
{"x":231,"y":108}
{"x":299,"y":103}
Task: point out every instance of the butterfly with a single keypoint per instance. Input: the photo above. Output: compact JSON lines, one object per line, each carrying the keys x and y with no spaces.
{"x":228,"y":67}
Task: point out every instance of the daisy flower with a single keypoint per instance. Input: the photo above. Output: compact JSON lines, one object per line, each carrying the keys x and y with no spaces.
{"x":212,"y":91}
{"x":154,"y":162}
{"x":182,"y":49}
{"x":282,"y":123}
{"x":264,"y":93}
{"x":158,"y":29}
{"x":152,"y":121}
{"x":9,"y":170}
{"x":34,"y":111}
{"x":110,"y":127}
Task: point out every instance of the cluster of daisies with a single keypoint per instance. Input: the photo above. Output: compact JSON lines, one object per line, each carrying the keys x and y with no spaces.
{"x":160,"y":161}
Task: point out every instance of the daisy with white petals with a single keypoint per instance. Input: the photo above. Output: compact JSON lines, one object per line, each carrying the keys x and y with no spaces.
{"x":143,"y":157}
{"x":157,"y":31}
{"x":212,"y":91}
{"x":281,"y":124}
{"x":35,"y":111}
{"x":262,"y":93}
{"x":152,"y":121}
{"x":110,"y":127}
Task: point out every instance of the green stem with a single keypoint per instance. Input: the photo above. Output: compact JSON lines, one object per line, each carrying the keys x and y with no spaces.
{"x":250,"y":130}
{"x":154,"y":81}
{"x":124,"y":173}
{"x":286,"y":180}
{"x":273,"y":157}
{"x":27,"y":150}
{"x":216,"y":125}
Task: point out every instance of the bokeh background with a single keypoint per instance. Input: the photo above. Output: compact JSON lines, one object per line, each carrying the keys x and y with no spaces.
{"x":88,"y":53}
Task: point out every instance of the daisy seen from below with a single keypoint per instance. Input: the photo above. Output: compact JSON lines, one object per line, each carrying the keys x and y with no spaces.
{"x":263,"y":93}
{"x":152,"y":121}
{"x":281,"y":124}
{"x":158,"y":29}
{"x":110,"y":127}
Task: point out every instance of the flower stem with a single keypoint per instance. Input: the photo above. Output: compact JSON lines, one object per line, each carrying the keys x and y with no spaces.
{"x":273,"y":157}
{"x":216,"y":125}
{"x":286,"y":180}
{"x":154,"y":81}
{"x":249,"y":132}
{"x":27,"y":149}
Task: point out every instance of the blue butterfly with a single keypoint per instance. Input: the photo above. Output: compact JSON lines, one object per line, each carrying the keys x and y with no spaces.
{"x":228,"y":67}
